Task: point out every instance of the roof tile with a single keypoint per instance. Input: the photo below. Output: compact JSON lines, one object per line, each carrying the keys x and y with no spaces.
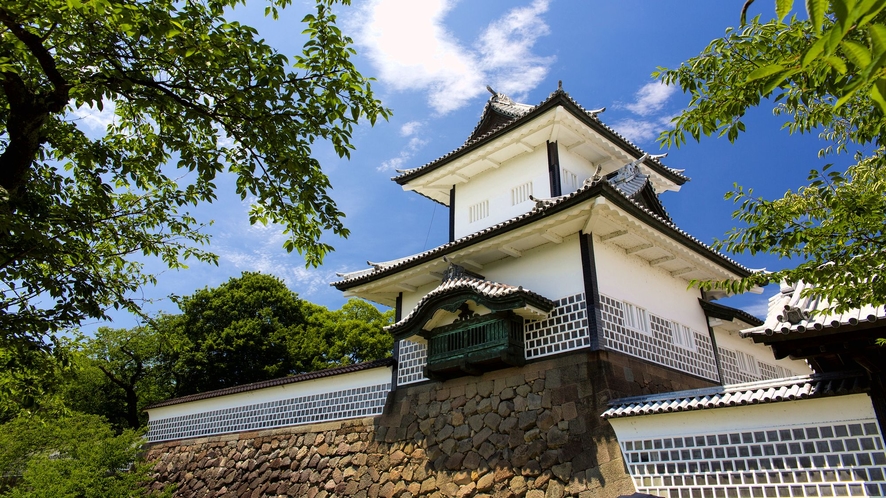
{"x":766,"y":391}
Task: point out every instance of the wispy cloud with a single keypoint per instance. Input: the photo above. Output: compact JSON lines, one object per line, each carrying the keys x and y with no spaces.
{"x":650,"y":98}
{"x":649,"y":102}
{"x":93,"y":118}
{"x":759,"y":309}
{"x":639,"y":130}
{"x":264,"y":253}
{"x":410,"y":128}
{"x":415,"y":144}
{"x":424,"y":55}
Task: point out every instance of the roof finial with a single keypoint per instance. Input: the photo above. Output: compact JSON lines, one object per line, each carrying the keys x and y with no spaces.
{"x":493,"y":92}
{"x":560,"y":85}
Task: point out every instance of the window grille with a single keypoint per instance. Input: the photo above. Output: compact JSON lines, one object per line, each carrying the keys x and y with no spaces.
{"x":747,"y":363}
{"x":478,"y":211}
{"x":636,"y":318}
{"x":569,"y":180}
{"x":683,"y":336}
{"x":521,"y":193}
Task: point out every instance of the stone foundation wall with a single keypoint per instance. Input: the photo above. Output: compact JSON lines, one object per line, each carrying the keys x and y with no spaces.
{"x":533,"y":431}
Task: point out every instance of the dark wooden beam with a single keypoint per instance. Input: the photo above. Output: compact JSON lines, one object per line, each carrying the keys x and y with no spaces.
{"x":452,"y":214}
{"x":592,"y":289}
{"x":554,"y":169}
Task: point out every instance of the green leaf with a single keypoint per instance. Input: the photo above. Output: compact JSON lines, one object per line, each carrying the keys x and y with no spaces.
{"x":857,"y":53}
{"x":763,"y":72}
{"x":836,"y":63}
{"x":877,"y":33}
{"x":783,"y":8}
{"x":878,"y":94}
{"x":814,"y":51}
{"x":816,"y":9}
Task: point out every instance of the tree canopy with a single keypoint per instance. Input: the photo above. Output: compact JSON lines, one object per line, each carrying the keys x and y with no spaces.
{"x":826,"y":75}
{"x":76,"y":455}
{"x":192,"y":96}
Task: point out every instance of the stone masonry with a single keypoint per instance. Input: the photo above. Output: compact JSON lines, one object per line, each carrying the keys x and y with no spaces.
{"x":531,"y":432}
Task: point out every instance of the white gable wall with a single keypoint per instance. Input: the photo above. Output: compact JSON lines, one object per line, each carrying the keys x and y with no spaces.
{"x":494,"y":186}
{"x":574,"y":164}
{"x":552,"y":270}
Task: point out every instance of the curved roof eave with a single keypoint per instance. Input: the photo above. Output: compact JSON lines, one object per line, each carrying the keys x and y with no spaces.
{"x":558,"y":97}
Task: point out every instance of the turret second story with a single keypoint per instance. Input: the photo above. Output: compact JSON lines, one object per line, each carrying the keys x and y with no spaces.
{"x":518,"y":153}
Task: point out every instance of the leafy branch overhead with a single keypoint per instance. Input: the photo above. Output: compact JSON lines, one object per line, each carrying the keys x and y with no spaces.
{"x":190,"y":95}
{"x":848,"y":46}
{"x":826,"y":75}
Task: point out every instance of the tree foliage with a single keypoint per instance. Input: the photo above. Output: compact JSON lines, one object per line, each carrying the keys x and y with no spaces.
{"x":78,"y":455}
{"x":253,"y":328}
{"x":192,"y":95}
{"x":236,"y":333}
{"x":825,"y":74}
{"x":118,"y":372}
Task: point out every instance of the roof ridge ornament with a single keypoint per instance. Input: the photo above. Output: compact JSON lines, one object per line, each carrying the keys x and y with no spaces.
{"x":627,"y":172}
{"x":793,"y":314}
{"x":542,"y":204}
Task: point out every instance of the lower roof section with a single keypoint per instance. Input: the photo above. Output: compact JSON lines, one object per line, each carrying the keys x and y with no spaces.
{"x":751,"y":393}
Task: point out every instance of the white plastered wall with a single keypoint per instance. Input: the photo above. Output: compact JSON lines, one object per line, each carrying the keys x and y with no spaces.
{"x":631,"y":279}
{"x":363,"y":378}
{"x":552,"y":270}
{"x":495,"y":186}
{"x":822,"y":411}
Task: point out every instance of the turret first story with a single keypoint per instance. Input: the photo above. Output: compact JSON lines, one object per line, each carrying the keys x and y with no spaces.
{"x":583,"y":293}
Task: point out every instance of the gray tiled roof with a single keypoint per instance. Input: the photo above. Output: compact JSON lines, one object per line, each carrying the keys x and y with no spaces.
{"x":483,"y":287}
{"x":767,"y":391}
{"x":292,"y":379}
{"x":523,"y":112}
{"x":810,"y":313}
{"x":587,"y":191}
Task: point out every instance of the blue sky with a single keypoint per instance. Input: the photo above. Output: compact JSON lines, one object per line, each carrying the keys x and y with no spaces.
{"x":433,"y":60}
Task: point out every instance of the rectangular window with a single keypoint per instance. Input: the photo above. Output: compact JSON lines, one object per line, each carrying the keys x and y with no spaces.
{"x":569,"y":180}
{"x":683,"y":336}
{"x":478,"y":211}
{"x":521,"y":193}
{"x":747,"y":363}
{"x":636,"y":318}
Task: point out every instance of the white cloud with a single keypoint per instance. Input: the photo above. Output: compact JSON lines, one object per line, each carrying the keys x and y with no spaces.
{"x":650,"y":98}
{"x":410,"y":128}
{"x":94,"y":118}
{"x":637,"y":130}
{"x":259,"y":248}
{"x":395,"y":163}
{"x":412,"y":49}
{"x":648,"y":103}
